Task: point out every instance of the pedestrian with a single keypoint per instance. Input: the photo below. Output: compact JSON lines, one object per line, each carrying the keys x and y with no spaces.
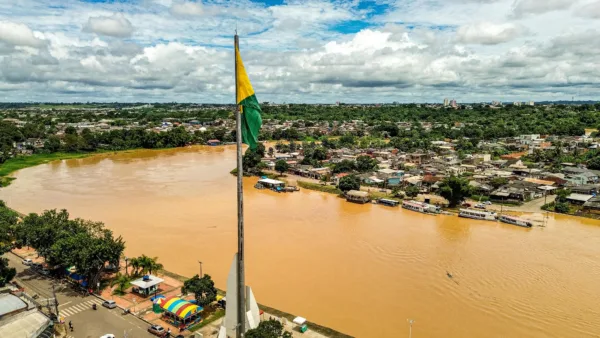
{"x":169,"y":333}
{"x":70,"y":326}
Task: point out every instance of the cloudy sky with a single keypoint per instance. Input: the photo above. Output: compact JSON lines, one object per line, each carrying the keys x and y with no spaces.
{"x":300,"y":51}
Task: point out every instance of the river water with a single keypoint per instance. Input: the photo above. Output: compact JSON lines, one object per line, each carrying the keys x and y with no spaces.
{"x":361,"y":269}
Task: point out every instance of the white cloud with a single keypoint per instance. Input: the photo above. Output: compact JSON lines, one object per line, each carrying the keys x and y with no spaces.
{"x":116,"y":25}
{"x":524,"y":7}
{"x":188,"y":9}
{"x":486,"y":33}
{"x":18,"y":34}
{"x":589,"y":10}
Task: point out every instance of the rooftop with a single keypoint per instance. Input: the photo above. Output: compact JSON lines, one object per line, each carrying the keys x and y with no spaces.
{"x":145,"y":283}
{"x":10,"y":303}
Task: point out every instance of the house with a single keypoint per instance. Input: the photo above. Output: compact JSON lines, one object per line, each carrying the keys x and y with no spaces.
{"x":213,"y":142}
{"x":586,"y":189}
{"x":579,"y":199}
{"x":515,"y":192}
{"x":17,"y":319}
{"x":392,"y":177}
{"x":592,"y":205}
{"x":146,"y":285}
{"x":337,"y":177}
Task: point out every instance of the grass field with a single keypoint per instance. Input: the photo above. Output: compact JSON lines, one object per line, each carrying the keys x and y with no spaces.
{"x":22,"y":162}
{"x":319,"y":187}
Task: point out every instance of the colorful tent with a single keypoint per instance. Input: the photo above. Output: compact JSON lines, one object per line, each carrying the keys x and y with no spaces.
{"x":179,"y":307}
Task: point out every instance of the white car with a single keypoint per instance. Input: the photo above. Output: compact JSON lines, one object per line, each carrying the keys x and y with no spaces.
{"x":109,"y":335}
{"x":27,"y":261}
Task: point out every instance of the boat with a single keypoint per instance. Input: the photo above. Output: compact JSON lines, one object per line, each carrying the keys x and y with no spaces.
{"x":388,"y":202}
{"x":421,"y":207}
{"x":478,"y":214}
{"x":515,"y":221}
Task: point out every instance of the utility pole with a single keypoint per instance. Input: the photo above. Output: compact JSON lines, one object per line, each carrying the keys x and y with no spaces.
{"x":201,"y":275}
{"x":410,"y":322}
{"x":55,"y":299}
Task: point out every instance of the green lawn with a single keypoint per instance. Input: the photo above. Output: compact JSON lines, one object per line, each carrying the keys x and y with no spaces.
{"x":21,"y":162}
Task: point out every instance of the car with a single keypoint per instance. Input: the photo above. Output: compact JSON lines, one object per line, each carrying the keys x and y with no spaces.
{"x":110,"y":304}
{"x":157,"y":330}
{"x":108,"y":335}
{"x":27,"y":261}
{"x":487,"y":203}
{"x":480,"y":206}
{"x":45,"y":272}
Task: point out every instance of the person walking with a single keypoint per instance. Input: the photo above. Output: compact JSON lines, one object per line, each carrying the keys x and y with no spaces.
{"x":70,"y":326}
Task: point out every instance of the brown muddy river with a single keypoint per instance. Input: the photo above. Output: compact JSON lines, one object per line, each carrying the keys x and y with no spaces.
{"x":361,"y":269}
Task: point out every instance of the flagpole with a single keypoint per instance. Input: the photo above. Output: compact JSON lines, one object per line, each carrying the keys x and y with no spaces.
{"x":241,"y":303}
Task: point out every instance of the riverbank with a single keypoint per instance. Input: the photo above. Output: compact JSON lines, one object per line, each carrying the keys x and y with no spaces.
{"x":22,"y":162}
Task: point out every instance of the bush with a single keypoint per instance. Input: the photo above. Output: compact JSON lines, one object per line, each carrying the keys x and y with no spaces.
{"x":348,"y":183}
{"x":562,"y":207}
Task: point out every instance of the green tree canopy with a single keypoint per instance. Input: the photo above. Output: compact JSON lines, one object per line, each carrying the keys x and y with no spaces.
{"x":281,"y":166}
{"x":203,"y":288}
{"x":455,"y":190}
{"x":268,"y":329}
{"x":365,"y":163}
{"x":348,"y":183}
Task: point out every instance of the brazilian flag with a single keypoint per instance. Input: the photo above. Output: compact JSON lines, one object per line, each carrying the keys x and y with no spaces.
{"x":249,"y":108}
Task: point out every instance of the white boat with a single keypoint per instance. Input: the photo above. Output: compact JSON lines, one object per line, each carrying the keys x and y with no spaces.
{"x":515,"y":221}
{"x":478,"y":214}
{"x":421,"y":207}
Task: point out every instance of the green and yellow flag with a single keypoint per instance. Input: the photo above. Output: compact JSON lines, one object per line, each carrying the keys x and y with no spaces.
{"x":250,"y":110}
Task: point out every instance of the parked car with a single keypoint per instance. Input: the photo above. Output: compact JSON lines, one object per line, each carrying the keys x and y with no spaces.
{"x":45,"y":272}
{"x":27,"y":261}
{"x":466,"y":205}
{"x":487,"y":203}
{"x":157,"y":330}
{"x":109,"y":304}
{"x":480,"y":206}
{"x":108,"y":335}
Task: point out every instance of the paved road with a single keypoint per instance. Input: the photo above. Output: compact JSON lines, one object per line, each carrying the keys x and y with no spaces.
{"x":74,"y":307}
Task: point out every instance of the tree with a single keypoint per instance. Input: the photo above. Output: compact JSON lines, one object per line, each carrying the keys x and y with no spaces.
{"x":455,"y":190}
{"x":271,"y":152}
{"x":268,"y":329}
{"x":281,"y":166}
{"x":348,"y":183}
{"x":203,"y":288}
{"x":6,"y":273}
{"x":497,"y":182}
{"x":251,"y":159}
{"x":594,"y":163}
{"x":122,"y":281}
{"x":365,"y":163}
{"x":562,"y":207}
{"x":412,"y":191}
{"x":344,"y":166}
{"x":52,"y":144}
{"x":562,"y":194}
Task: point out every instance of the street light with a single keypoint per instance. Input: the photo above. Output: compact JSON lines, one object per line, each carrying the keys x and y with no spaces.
{"x":126,"y":272}
{"x":410,"y":321}
{"x":200,"y":269}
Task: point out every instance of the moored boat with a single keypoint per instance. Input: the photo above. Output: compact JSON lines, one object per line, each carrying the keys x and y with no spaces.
{"x":515,"y":221}
{"x":478,"y":214}
{"x":421,"y":207}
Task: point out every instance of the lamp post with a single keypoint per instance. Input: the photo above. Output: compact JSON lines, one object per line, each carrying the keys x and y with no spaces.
{"x":410,"y":322}
{"x":200,"y":269}
{"x":126,"y":272}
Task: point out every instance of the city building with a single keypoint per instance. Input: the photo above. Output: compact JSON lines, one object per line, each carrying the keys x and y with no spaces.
{"x":453,"y":104}
{"x":446,"y":102}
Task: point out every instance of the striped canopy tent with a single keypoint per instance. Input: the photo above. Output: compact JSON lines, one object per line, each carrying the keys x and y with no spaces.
{"x":179,"y":307}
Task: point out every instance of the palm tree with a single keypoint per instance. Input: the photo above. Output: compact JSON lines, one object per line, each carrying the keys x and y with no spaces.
{"x":145,"y":263}
{"x":154,"y":265}
{"x":122,"y":281}
{"x":135,"y":265}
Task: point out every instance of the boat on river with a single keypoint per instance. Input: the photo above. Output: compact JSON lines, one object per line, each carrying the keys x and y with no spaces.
{"x":421,"y":207}
{"x":478,"y":214}
{"x":515,"y":221}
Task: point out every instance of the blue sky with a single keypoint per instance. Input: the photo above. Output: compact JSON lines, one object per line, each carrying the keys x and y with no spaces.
{"x":300,"y":51}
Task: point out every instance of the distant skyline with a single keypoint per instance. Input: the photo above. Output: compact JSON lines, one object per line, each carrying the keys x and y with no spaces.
{"x":300,"y":51}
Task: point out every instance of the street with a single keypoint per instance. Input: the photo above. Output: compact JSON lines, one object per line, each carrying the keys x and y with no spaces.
{"x":77,"y":308}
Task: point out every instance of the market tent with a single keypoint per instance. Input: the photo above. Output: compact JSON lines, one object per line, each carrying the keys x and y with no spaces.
{"x":179,"y":307}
